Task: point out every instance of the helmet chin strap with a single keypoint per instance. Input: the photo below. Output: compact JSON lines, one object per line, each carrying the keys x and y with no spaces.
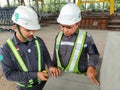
{"x":18,"y":28}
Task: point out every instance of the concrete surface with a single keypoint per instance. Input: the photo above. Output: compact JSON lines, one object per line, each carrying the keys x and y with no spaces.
{"x":110,"y":74}
{"x":70,"y":81}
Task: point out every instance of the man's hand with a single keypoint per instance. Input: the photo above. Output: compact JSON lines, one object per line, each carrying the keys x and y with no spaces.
{"x":92,"y":74}
{"x":42,"y":76}
{"x":55,"y":72}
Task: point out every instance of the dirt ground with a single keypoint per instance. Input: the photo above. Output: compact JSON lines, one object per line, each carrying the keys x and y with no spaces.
{"x":48,"y":33}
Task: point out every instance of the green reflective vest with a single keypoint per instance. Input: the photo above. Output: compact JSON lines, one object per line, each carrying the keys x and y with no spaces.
{"x":21,"y":61}
{"x":72,"y":65}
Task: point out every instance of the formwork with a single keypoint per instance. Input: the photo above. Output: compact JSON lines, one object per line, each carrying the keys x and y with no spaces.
{"x":94,"y":20}
{"x":100,"y":21}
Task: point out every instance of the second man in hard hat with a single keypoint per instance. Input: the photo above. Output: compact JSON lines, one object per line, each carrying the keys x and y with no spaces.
{"x":75,"y":50}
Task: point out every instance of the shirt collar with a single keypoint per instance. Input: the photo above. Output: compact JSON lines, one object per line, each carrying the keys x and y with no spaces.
{"x":76,"y":32}
{"x":15,"y":39}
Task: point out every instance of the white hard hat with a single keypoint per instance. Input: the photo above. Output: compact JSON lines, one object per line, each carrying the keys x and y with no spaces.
{"x":25,"y":16}
{"x":69,"y":14}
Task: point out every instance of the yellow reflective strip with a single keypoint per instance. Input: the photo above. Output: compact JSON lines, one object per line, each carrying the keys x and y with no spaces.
{"x":58,"y":39}
{"x":19,"y":84}
{"x":79,"y":55}
{"x":39,"y":56}
{"x":17,"y":55}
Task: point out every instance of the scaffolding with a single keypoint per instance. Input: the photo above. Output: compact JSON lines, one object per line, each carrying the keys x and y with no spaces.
{"x":5,"y":18}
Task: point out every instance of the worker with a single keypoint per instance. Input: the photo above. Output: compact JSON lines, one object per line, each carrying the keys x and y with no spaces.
{"x":75,"y":50}
{"x":25,"y":56}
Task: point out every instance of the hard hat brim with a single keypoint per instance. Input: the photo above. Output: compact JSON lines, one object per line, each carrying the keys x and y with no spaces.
{"x":32,"y":27}
{"x":61,"y":21}
{"x":29,"y":26}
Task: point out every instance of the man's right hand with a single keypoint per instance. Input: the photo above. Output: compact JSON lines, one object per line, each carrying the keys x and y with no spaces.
{"x":42,"y":76}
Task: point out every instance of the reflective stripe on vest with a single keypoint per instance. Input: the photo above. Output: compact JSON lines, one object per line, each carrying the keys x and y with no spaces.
{"x":76,"y":53}
{"x":21,"y":62}
{"x":67,"y":43}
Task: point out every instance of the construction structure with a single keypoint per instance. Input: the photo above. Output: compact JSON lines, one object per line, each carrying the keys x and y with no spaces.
{"x":48,"y":12}
{"x":111,"y":2}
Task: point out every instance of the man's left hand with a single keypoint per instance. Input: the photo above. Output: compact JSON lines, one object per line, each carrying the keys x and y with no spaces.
{"x":92,"y":74}
{"x":55,"y":72}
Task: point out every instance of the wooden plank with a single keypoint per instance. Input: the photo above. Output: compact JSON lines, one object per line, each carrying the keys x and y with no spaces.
{"x":114,"y":26}
{"x":114,"y":21}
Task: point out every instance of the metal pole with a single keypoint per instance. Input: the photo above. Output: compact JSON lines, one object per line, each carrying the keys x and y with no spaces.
{"x":111,"y":7}
{"x":8,"y":3}
{"x":74,"y":1}
{"x":37,"y":7}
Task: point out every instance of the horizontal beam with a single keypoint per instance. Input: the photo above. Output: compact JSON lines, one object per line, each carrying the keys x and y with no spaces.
{"x":92,"y":1}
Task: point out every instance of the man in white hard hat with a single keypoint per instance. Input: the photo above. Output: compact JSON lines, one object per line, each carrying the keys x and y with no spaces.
{"x":75,"y":50}
{"x":24,"y":56}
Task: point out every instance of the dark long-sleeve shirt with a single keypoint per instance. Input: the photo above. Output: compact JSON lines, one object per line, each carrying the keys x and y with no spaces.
{"x":28,"y":52}
{"x":89,"y":56}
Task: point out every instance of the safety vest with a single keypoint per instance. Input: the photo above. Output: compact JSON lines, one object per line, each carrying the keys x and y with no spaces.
{"x":21,"y":61}
{"x":72,"y":65}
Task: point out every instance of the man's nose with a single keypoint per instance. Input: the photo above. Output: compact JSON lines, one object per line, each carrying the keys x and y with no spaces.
{"x":65,"y":29}
{"x":32,"y":32}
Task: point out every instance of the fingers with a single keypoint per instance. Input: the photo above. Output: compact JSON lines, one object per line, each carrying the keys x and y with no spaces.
{"x":42,"y":76}
{"x":92,"y":73}
{"x":59,"y":70}
{"x":45,"y":77}
{"x":55,"y":72}
{"x":94,"y":80}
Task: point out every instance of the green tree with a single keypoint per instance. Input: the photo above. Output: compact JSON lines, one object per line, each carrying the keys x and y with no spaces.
{"x":91,"y":6}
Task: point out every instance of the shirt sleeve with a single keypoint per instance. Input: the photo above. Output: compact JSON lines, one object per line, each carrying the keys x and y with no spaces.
{"x":11,"y":72}
{"x":92,"y":51}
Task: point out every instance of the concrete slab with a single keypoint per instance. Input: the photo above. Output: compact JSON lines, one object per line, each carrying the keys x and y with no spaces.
{"x":110,"y":73}
{"x":70,"y":81}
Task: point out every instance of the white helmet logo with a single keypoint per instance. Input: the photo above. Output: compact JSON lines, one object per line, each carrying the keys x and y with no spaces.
{"x":16,"y":17}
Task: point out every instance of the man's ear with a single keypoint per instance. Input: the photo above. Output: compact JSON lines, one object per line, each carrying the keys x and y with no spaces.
{"x":77,"y":24}
{"x":14,"y":27}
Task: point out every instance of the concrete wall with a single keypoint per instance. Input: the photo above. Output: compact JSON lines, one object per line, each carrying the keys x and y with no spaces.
{"x":110,"y":69}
